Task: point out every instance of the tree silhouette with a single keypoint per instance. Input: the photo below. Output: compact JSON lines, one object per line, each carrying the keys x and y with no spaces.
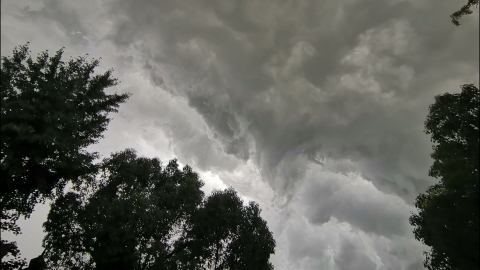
{"x":141,"y":215}
{"x":447,"y":220}
{"x":50,"y":112}
{"x":465,"y":10}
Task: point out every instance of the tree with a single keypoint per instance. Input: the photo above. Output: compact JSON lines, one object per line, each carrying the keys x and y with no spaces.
{"x":141,"y":215}
{"x":232,"y":236}
{"x":37,"y":263}
{"x":465,"y":10}
{"x":10,"y":248}
{"x":447,"y":220}
{"x":50,"y":112}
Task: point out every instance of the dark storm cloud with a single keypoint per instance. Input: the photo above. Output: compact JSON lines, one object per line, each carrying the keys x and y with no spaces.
{"x":354,"y":201}
{"x":322,"y":100}
{"x":284,"y":83}
{"x":302,"y":74}
{"x":350,"y":258}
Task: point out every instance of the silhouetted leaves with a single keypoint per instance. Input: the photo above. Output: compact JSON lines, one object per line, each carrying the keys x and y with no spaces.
{"x":465,"y":10}
{"x":140,"y":215}
{"x":224,"y":234}
{"x":10,"y":249}
{"x":50,"y":111}
{"x":448,"y":212}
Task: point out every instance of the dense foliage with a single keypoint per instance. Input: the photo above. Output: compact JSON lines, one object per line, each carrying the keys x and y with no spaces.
{"x":50,"y":112}
{"x":141,"y":215}
{"x":465,"y":10}
{"x":13,"y":261}
{"x":448,"y":218}
{"x":224,"y":234}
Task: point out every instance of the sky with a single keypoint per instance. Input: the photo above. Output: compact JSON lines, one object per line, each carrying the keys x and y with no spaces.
{"x":313,"y":109}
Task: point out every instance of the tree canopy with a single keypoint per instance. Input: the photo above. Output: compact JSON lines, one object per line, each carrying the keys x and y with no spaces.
{"x":139,"y":214}
{"x":126,"y":212}
{"x":50,"y":112}
{"x":465,"y":10}
{"x":447,"y":220}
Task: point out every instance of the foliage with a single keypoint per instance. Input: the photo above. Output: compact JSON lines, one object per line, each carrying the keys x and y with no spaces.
{"x":465,"y":10}
{"x":141,"y":215}
{"x":50,"y":112}
{"x":448,"y":212}
{"x":232,"y":236}
{"x":9,"y":249}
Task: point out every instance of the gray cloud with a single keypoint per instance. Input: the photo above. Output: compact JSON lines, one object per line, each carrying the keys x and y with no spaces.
{"x":296,"y":82}
{"x":354,"y":200}
{"x":350,"y":258}
{"x":313,"y":109}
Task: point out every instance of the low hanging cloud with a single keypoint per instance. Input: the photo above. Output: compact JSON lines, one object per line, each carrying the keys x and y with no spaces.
{"x":299,"y":77}
{"x":314,"y":109}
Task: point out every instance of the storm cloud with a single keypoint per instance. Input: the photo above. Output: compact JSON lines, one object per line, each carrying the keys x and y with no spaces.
{"x":314,"y":109}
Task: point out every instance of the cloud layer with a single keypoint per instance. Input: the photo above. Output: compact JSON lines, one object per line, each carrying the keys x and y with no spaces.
{"x":314,"y":109}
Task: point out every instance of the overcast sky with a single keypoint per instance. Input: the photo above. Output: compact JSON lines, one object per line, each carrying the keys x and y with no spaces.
{"x":314,"y":109}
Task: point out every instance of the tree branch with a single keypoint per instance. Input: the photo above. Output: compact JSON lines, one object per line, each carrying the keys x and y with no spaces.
{"x":179,"y":249}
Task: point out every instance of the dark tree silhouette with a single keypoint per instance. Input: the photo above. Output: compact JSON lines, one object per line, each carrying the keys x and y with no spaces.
{"x":448,"y":212}
{"x":141,"y":215}
{"x":465,"y":10}
{"x":232,"y":236}
{"x":50,"y":112}
{"x":10,"y":249}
